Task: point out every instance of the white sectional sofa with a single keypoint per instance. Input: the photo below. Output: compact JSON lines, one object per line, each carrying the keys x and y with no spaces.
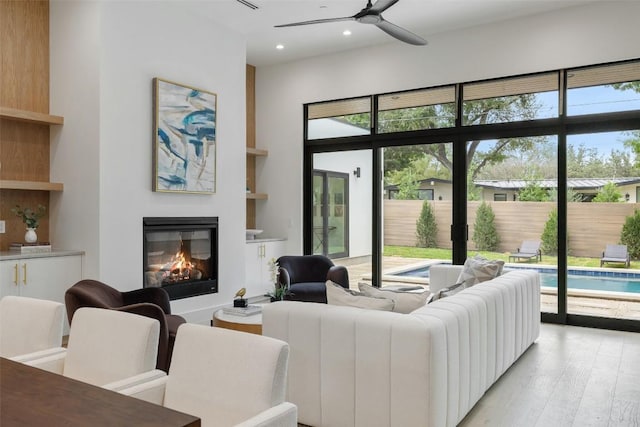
{"x":366,"y":368}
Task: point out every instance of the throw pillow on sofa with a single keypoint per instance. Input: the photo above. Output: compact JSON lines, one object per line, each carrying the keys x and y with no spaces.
{"x":337,"y":295}
{"x":479,"y":269}
{"x":475,"y":270}
{"x":446,"y":292}
{"x":404,"y":302}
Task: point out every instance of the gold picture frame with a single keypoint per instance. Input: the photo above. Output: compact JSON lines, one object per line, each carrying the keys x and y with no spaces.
{"x":184,"y":142}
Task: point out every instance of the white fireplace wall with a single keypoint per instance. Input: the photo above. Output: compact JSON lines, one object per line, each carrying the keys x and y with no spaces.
{"x":108,"y":117}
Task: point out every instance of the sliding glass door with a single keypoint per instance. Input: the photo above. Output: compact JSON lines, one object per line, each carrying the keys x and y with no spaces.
{"x":416,"y":213}
{"x":512,"y":209}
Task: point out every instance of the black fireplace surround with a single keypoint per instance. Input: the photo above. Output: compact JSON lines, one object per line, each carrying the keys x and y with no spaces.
{"x":180,"y":255}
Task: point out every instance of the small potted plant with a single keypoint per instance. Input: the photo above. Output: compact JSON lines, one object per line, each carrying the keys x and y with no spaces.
{"x":279,"y":290}
{"x":30,"y":218}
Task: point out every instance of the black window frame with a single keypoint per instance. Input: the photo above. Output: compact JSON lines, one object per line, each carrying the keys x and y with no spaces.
{"x":458,"y":135}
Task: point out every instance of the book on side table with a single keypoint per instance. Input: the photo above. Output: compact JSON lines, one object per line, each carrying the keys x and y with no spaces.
{"x":30,"y":248}
{"x":242,"y":311}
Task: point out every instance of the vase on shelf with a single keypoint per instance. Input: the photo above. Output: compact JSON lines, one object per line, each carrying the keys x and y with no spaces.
{"x":30,"y":236}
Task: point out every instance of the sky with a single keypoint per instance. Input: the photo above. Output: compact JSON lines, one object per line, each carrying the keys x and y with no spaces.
{"x":600,"y":99}
{"x":591,"y":100}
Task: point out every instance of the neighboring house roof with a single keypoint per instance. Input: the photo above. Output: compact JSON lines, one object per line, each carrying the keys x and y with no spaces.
{"x":517,"y":184}
{"x":422,"y":181}
{"x":575,"y":183}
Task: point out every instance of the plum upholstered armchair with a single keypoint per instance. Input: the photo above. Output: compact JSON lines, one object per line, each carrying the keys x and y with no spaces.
{"x":149,"y":302}
{"x":306,"y":276}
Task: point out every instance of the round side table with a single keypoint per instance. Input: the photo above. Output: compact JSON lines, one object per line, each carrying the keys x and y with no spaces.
{"x":251,"y":324}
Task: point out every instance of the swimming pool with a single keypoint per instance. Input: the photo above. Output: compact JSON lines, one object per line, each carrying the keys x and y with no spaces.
{"x":611,"y":281}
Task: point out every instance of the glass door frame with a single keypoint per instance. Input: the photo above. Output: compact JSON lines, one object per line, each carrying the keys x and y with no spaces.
{"x":325,"y":174}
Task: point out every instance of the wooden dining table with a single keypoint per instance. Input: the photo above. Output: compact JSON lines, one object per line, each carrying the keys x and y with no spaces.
{"x":33,"y":397}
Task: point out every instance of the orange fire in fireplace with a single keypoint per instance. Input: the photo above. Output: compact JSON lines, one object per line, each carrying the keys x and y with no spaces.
{"x":180,"y":263}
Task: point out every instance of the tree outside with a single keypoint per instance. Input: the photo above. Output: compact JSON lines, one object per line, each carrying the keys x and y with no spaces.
{"x":485,"y":234}
{"x":633,"y":140}
{"x":533,"y":193}
{"x":426,"y":227}
{"x":549,"y":238}
{"x":630,"y":235}
{"x":608,"y":194}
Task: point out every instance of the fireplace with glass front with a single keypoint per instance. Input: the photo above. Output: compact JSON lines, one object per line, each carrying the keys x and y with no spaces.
{"x":180,"y":255}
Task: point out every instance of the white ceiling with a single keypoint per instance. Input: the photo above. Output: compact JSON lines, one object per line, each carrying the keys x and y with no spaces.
{"x":422,"y":17}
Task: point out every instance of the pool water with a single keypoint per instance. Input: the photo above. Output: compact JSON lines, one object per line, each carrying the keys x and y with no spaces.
{"x":592,"y":281}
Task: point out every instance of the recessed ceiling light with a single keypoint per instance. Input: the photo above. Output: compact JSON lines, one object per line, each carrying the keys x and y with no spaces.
{"x":346,"y":33}
{"x":279,"y":46}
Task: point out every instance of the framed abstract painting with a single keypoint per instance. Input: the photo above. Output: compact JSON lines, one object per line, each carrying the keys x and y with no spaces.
{"x":184,"y":122}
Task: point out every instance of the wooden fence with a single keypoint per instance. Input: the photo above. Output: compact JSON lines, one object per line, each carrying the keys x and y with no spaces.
{"x":590,"y":225}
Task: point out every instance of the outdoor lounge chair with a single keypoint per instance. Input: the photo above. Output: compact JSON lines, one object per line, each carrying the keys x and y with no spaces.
{"x":527,"y":250}
{"x":616,"y":253}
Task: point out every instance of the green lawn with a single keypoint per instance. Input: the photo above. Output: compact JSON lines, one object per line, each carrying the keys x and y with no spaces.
{"x":435,"y":253}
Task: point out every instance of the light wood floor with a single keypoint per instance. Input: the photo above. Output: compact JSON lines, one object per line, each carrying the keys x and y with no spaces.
{"x":571,"y":376}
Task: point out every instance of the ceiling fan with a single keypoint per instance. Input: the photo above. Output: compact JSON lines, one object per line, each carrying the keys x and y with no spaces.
{"x":372,"y":14}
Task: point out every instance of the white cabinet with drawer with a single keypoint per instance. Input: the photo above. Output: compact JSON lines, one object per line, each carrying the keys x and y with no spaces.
{"x":257,"y":256}
{"x":39,"y":276}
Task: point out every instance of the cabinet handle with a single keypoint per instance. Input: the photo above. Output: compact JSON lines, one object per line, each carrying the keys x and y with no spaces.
{"x":24,"y":270}
{"x":15,"y":274}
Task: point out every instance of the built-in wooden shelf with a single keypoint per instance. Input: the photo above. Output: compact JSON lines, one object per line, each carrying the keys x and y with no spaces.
{"x":30,"y":116}
{"x":257,"y":196}
{"x":257,"y":152}
{"x":30,"y":185}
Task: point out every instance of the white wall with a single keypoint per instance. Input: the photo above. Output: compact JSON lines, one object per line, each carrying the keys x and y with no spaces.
{"x":597,"y":33}
{"x":136,"y":42}
{"x":74,"y":41}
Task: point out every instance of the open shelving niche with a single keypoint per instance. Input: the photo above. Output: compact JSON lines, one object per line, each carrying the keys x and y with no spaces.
{"x":35,"y":118}
{"x":257,"y":152}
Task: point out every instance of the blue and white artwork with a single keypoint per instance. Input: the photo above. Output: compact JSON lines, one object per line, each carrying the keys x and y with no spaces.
{"x":185,"y":138}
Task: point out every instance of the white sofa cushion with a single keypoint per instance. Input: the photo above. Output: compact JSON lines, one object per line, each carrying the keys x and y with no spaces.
{"x":404,"y":302}
{"x":442,"y":276}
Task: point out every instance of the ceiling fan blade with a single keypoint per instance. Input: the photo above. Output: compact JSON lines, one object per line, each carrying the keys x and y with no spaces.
{"x":382,"y":5}
{"x":400,"y":33}
{"x":316,"y":21}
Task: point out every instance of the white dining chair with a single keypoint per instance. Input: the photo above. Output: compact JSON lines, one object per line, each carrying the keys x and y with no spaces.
{"x":30,"y":328}
{"x":107,"y":348}
{"x":225,"y":377}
